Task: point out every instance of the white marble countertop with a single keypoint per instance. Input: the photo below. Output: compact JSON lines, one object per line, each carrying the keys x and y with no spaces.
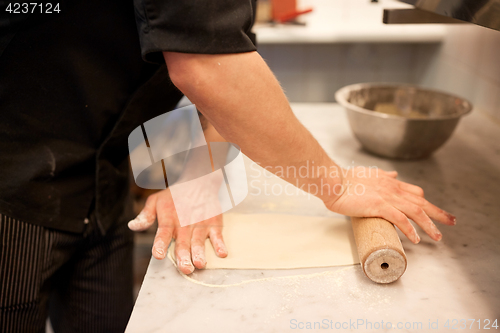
{"x":348,"y":21}
{"x":456,"y":278}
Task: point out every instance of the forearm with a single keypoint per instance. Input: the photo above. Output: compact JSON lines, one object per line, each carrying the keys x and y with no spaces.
{"x":209,"y":131}
{"x":242,"y":99}
{"x":196,"y":161}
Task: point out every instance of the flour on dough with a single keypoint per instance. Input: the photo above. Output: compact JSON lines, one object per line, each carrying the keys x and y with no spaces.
{"x":275,"y":241}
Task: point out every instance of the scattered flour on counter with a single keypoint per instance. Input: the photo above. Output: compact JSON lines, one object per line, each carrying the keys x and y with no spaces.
{"x":347,"y":284}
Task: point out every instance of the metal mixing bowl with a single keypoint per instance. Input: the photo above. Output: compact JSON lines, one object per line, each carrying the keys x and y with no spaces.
{"x":411,"y":122}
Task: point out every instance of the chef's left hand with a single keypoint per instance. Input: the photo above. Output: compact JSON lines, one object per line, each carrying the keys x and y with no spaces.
{"x":189,"y":240}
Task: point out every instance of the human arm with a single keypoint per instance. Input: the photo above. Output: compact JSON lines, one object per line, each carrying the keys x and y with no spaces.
{"x":240,"y":96}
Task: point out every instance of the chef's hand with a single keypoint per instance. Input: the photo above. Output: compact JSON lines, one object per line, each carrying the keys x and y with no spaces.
{"x":380,"y":194}
{"x":189,"y":240}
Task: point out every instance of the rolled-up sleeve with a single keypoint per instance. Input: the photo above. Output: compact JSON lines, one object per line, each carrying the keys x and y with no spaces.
{"x":194,"y":26}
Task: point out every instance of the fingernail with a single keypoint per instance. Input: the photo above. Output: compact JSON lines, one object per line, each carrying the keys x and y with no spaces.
{"x":134,"y":225}
{"x":139,"y":222}
{"x":160,"y":248}
{"x":452,"y":218}
{"x":187,"y":264}
{"x":222,"y":248}
{"x":200,"y":258}
{"x":437,"y":234}
{"x":131,"y":225}
{"x":417,"y":239}
{"x":185,"y":259}
{"x":184,"y":263}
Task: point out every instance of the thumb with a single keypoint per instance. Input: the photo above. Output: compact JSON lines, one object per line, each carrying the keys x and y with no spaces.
{"x":146,"y":217}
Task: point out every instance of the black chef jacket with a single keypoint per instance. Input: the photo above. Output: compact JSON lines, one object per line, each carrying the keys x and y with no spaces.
{"x":73,"y":85}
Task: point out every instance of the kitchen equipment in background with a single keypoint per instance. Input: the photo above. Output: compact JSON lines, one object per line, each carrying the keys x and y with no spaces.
{"x":263,"y":12}
{"x":286,"y":10}
{"x":416,"y":16}
{"x":380,"y":251}
{"x":481,"y":12}
{"x":401,"y":121}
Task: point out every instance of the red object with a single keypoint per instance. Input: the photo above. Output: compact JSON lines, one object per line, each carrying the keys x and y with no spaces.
{"x":286,"y":10}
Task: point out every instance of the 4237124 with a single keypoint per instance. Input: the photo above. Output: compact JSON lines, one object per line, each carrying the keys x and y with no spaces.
{"x":32,"y":7}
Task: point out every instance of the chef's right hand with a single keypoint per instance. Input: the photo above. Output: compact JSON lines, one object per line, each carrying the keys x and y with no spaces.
{"x":382,"y":195}
{"x":189,"y":240}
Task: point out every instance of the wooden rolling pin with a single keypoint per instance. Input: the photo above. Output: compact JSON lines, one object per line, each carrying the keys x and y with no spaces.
{"x":380,"y":251}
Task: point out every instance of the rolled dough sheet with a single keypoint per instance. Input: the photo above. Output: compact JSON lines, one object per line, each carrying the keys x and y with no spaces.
{"x":275,"y":241}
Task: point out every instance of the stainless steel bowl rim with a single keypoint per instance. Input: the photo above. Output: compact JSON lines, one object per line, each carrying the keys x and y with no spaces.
{"x":340,"y":96}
